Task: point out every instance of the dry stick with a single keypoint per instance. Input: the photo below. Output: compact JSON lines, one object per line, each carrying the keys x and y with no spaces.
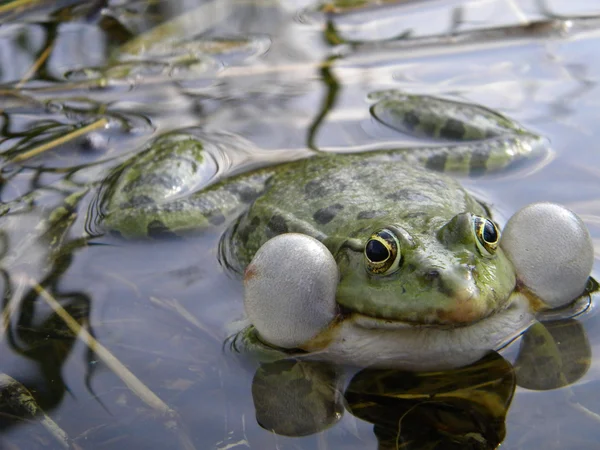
{"x":145,"y":394}
{"x":61,"y":140}
{"x":35,"y":67}
{"x":15,"y":4}
{"x":20,"y":399}
{"x":178,"y":308}
{"x":130,"y":380}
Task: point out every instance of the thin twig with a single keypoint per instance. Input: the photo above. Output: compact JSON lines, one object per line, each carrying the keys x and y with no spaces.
{"x":11,"y":6}
{"x":138,"y":388}
{"x":178,"y":308}
{"x":61,"y":140}
{"x":131,"y":381}
{"x":588,"y":412}
{"x":35,"y":67}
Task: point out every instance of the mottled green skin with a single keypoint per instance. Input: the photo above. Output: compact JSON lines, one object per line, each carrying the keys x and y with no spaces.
{"x":152,"y":193}
{"x":341,"y":200}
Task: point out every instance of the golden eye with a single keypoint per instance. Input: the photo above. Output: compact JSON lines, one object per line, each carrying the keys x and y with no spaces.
{"x":382,"y":253}
{"x":487,"y":235}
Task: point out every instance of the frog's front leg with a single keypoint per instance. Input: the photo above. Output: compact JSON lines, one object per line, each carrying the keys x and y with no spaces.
{"x":482,"y":140}
{"x":172,"y":187}
{"x":137,"y":217}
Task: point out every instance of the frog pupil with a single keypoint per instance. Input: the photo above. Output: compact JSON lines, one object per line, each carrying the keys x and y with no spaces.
{"x":489,"y":232}
{"x":376,"y":251}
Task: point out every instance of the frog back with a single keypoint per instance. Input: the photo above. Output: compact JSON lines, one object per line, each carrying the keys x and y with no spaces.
{"x":335,"y":198}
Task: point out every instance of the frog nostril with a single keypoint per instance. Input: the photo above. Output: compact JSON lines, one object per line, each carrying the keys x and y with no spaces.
{"x":432,"y":275}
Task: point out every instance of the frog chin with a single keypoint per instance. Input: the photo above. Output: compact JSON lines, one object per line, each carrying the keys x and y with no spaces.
{"x":366,"y":341}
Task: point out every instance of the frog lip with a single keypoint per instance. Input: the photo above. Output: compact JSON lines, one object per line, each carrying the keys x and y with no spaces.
{"x":366,"y":321}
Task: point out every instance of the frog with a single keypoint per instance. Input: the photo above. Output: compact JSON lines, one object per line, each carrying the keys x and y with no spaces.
{"x":414,"y":273}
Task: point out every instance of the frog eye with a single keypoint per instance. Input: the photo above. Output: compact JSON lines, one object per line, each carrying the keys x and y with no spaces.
{"x":382,"y":253}
{"x":487,"y":235}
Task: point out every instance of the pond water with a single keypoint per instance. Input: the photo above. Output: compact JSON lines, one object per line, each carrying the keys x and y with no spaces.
{"x":87,"y":84}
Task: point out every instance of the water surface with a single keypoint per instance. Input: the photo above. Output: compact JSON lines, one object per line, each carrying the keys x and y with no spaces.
{"x":87,"y":84}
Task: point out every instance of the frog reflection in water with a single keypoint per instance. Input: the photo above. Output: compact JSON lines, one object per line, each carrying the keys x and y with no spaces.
{"x":423,"y":282}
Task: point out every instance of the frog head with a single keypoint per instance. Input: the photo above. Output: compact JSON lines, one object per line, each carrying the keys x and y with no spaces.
{"x":434,"y":272}
{"x":423,"y":293}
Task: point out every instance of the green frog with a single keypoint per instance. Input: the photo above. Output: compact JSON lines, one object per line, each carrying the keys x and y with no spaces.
{"x":417,"y":277}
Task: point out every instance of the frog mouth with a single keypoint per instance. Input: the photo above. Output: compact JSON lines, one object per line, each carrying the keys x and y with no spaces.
{"x":373,"y":342}
{"x":516,"y":303}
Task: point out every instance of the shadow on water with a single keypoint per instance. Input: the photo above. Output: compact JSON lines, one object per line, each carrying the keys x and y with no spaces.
{"x":453,"y":409}
{"x":113,"y":344}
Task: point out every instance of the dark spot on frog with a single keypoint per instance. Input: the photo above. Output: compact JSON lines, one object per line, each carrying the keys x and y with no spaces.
{"x":363,"y":215}
{"x":453,"y":129}
{"x":491,"y":133}
{"x":479,"y":159}
{"x":314,"y":189}
{"x":428,"y":128}
{"x":246,"y":230}
{"x":216,"y":218}
{"x":326,"y":215}
{"x":437,"y":162}
{"x":321,"y":188}
{"x":158,"y":230}
{"x":246,"y":194}
{"x":276,"y":226}
{"x":442,"y":285}
{"x":460,"y":159}
{"x":408,"y":194}
{"x":411,"y":120}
